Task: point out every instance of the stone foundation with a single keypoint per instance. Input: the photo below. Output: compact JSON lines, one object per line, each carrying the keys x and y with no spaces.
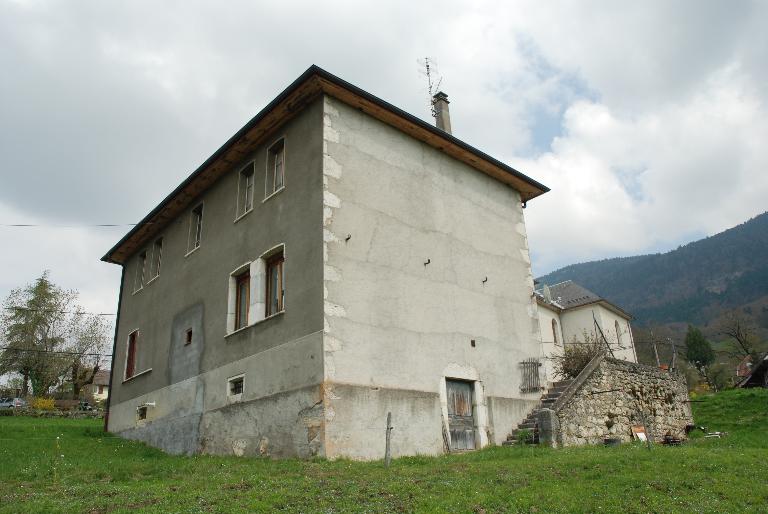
{"x":620,"y":394}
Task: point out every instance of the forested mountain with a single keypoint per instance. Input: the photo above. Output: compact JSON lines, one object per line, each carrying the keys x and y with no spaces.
{"x":692,"y":284}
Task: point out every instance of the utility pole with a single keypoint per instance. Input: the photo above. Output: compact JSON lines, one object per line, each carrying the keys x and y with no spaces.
{"x":655,"y":350}
{"x":674,"y":353}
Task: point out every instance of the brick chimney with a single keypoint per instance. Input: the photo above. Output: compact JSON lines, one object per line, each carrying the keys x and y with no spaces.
{"x":442,"y":116}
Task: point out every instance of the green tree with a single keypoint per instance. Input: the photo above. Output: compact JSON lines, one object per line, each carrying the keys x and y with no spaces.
{"x":700,"y":354}
{"x":47,"y":338}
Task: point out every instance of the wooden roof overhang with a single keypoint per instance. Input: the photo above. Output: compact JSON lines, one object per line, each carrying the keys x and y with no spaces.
{"x":608,"y":305}
{"x":312,"y":83}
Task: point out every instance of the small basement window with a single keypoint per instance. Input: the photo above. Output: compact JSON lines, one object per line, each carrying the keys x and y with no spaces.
{"x":141,"y":413}
{"x":235,"y":387}
{"x":188,"y":337}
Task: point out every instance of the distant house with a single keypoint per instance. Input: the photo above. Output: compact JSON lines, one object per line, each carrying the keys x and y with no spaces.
{"x":99,"y":389}
{"x":757,"y":374}
{"x":744,"y":368}
{"x":568,"y":310}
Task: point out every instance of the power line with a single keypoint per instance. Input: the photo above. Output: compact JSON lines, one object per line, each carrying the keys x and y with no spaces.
{"x":28,"y":309}
{"x":85,"y":225}
{"x":12,"y":349}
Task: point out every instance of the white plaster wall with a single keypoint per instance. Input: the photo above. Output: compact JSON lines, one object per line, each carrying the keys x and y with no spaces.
{"x":100,"y":397}
{"x":548,"y":346}
{"x":391,"y":204}
{"x":622,"y":344}
{"x":576,"y":321}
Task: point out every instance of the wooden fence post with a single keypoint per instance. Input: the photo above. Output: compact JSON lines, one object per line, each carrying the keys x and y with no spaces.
{"x":387,"y":451}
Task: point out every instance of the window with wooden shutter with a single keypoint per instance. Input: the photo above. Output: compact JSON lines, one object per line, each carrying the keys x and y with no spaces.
{"x":130,"y":361}
{"x":242,"y":299}
{"x":275,"y":284}
{"x":276,"y":167}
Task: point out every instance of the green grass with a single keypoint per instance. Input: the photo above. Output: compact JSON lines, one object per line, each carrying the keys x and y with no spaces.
{"x":86,"y":470}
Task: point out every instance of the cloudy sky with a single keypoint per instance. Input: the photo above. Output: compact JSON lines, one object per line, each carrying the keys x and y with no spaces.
{"x":649,"y":120}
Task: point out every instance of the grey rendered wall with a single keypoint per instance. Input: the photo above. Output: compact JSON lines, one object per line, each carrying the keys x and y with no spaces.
{"x":395,"y":327}
{"x":280,"y":355}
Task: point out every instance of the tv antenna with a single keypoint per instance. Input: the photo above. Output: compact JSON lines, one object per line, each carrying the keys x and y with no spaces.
{"x":428,"y":68}
{"x":547,"y":293}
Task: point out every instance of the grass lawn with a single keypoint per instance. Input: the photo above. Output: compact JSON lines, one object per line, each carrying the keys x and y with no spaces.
{"x":85,"y":470}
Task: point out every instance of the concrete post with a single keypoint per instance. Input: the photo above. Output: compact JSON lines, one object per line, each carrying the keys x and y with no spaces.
{"x":549,"y":428}
{"x":442,"y":116}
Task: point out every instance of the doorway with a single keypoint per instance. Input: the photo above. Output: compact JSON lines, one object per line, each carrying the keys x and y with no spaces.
{"x":461,"y":420}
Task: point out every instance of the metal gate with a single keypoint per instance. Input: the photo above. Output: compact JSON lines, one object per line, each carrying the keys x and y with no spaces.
{"x":529,"y":381}
{"x":461,"y":422}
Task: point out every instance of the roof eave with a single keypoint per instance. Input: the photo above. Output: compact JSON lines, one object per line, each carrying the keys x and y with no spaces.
{"x":309,"y":84}
{"x":608,"y":305}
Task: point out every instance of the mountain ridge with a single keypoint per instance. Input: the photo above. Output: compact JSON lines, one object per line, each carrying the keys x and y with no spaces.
{"x":692,"y":284}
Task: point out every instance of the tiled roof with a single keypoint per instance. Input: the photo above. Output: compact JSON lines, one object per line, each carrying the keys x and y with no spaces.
{"x":570,"y":294}
{"x":101,"y":378}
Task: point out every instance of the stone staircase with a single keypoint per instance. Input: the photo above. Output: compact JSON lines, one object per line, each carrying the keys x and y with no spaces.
{"x":530,"y":424}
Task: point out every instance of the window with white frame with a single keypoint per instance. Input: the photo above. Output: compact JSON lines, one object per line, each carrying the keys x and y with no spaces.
{"x":256,"y":290}
{"x":195,"y":228}
{"x":555,"y":339}
{"x":130,"y":357}
{"x":275,"y":292}
{"x":157,"y":256}
{"x":276,"y":167}
{"x":235,"y":387}
{"x":245,"y":189}
{"x":140,"y":271}
{"x":242,"y":298}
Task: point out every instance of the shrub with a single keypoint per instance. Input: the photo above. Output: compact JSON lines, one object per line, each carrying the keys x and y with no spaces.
{"x":41,"y":403}
{"x":525,"y":436}
{"x":576,"y":356}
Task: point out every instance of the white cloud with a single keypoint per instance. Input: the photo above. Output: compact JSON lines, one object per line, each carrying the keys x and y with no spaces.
{"x":627,"y":184}
{"x":659,"y":110}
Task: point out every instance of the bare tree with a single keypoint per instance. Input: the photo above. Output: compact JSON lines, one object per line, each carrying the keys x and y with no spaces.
{"x":742,"y":333}
{"x":576,"y":355}
{"x":87,"y":346}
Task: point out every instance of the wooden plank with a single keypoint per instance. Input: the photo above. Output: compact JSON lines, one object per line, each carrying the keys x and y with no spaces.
{"x":387,"y":449}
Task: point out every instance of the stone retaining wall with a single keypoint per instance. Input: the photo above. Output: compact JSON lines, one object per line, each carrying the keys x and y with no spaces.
{"x":620,"y":394}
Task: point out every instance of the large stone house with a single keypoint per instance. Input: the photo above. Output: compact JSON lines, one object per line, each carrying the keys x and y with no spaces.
{"x":336,"y":260}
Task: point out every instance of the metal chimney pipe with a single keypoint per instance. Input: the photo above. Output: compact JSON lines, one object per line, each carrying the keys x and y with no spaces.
{"x":442,"y":116}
